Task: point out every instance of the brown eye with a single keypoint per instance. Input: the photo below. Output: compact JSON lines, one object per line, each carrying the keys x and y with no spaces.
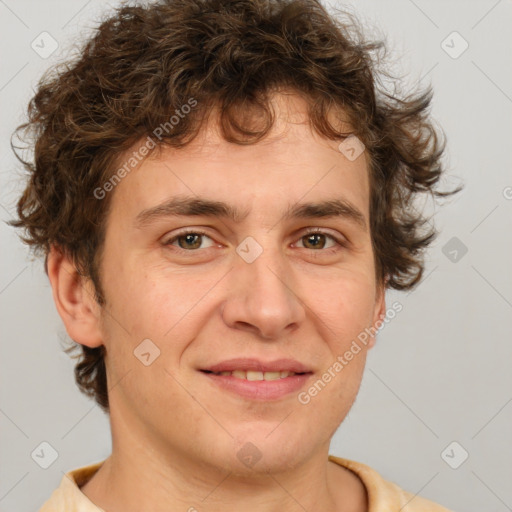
{"x":190,"y":241}
{"x":317,"y":240}
{"x":314,"y":241}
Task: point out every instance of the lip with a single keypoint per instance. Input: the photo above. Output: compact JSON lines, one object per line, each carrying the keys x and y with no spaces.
{"x":259,"y":390}
{"x":248,"y":364}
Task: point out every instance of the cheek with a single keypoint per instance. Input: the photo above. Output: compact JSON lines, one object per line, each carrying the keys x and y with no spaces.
{"x":152,"y":302}
{"x":345,"y":308}
{"x":342,"y":311}
{"x":330,"y":397}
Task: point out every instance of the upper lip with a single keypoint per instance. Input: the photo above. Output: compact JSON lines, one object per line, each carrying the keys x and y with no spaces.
{"x":251,"y":364}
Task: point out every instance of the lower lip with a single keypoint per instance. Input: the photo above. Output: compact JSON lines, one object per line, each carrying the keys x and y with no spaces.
{"x":263,"y":390}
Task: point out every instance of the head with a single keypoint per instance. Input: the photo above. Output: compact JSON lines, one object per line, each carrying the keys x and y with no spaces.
{"x":194,"y":185}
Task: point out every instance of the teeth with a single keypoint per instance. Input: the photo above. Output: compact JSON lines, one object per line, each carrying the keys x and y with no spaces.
{"x":255,"y":375}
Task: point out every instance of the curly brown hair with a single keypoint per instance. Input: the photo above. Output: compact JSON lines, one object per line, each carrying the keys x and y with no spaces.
{"x":146,"y":61}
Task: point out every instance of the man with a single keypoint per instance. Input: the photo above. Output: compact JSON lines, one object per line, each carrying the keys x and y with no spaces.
{"x":223,"y":196}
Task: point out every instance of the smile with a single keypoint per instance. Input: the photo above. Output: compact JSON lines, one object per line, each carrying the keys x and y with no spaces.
{"x":255,"y":375}
{"x":258,"y":386}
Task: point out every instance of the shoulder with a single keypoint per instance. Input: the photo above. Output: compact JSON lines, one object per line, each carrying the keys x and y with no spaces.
{"x":386,"y":495}
{"x":68,"y":497}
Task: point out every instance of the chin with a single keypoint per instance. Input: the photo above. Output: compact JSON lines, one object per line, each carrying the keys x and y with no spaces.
{"x":265,"y":450}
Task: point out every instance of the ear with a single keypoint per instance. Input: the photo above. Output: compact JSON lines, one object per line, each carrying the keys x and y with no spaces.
{"x":74,"y":298}
{"x":379,"y":312}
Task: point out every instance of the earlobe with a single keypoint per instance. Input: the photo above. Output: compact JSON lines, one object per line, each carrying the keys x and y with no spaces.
{"x":378,"y":315}
{"x":74,"y":299}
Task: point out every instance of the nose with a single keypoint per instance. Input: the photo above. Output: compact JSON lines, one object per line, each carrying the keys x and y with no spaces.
{"x":263,"y":297}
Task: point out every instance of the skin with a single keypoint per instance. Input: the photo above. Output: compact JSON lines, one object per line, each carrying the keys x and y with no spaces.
{"x":175,"y":434}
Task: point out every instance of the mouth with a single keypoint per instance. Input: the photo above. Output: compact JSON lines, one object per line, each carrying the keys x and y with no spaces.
{"x":254,"y":380}
{"x":253,"y":375}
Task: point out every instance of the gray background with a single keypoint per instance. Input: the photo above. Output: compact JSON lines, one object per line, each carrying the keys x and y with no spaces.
{"x":440,"y":371}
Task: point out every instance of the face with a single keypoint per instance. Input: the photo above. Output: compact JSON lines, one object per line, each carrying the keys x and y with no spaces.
{"x":213,"y":258}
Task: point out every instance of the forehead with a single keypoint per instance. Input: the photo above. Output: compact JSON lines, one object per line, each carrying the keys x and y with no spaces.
{"x":291,"y":164}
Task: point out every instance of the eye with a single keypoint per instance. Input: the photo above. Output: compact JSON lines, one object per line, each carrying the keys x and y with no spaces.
{"x":189,"y":240}
{"x":316,"y":239}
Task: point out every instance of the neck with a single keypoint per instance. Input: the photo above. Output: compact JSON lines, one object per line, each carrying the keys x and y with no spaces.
{"x":128,"y":484}
{"x":140,"y":475}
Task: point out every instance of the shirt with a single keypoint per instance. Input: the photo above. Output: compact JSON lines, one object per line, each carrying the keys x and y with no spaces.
{"x":383,"y":496}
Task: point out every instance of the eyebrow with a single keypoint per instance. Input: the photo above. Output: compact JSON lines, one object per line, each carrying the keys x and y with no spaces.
{"x":194,"y":207}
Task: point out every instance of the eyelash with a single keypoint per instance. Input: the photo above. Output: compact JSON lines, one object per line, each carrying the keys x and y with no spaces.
{"x":311,"y":231}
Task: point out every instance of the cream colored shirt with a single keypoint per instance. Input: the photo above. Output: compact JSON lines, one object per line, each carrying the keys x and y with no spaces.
{"x":383,"y":496}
